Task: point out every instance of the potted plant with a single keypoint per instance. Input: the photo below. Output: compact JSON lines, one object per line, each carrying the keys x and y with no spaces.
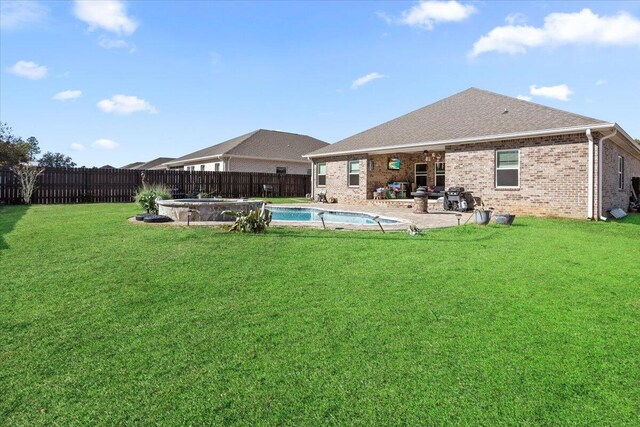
{"x":481,"y":215}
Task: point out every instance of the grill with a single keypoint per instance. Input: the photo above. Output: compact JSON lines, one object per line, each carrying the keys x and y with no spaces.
{"x":456,"y":199}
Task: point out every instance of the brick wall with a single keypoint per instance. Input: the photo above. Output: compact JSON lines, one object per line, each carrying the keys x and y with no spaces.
{"x":612,"y":197}
{"x":337,"y":179}
{"x":553,"y":175}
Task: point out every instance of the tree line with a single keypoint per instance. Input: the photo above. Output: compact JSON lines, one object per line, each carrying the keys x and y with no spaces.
{"x":15,"y":150}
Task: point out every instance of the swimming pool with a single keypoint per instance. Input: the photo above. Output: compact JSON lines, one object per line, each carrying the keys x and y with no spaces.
{"x":311,"y":215}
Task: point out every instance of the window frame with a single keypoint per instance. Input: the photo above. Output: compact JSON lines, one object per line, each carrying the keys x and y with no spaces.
{"x":620,"y":173}
{"x":424,"y":174}
{"x":349,"y":173}
{"x":318,"y":174}
{"x":496,"y":169}
{"x":437,"y":173}
{"x":283,"y":170}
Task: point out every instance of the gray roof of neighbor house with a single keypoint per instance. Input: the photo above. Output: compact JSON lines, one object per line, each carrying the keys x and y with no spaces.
{"x":472,"y":113}
{"x":132,"y":165}
{"x":261,"y":143}
{"x":154,"y":164}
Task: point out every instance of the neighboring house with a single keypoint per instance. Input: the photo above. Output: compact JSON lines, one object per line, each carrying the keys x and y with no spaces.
{"x":154,"y":164}
{"x":515,"y":155}
{"x":259,"y":151}
{"x":133,"y":165}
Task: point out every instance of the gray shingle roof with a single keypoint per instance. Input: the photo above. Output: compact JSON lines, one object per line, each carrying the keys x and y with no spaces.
{"x":132,"y":165}
{"x":266,"y":144}
{"x":154,"y":164}
{"x":473,"y":113}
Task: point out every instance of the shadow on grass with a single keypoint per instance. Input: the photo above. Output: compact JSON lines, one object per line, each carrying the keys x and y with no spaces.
{"x":9,"y":217}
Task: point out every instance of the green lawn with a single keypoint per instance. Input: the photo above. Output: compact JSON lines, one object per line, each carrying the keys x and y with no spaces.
{"x":106,"y":322}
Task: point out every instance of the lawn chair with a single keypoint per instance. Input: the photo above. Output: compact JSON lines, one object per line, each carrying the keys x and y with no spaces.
{"x":267,"y":190}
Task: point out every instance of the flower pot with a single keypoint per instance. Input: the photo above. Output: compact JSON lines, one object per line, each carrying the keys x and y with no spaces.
{"x":504,"y":218}
{"x":482,"y":217}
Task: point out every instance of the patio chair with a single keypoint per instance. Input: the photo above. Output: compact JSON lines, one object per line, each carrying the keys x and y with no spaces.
{"x":267,"y":190}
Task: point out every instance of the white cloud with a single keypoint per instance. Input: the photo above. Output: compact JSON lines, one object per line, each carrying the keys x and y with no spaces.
{"x":106,"y":144}
{"x":365,"y":79}
{"x":67,"y":94}
{"x":77,"y":147}
{"x":516,"y":19}
{"x":427,"y":13}
{"x":524,"y":97}
{"x":17,"y":14}
{"x":584,"y":27}
{"x":108,"y":15}
{"x":560,"y":92}
{"x":29,"y":70}
{"x":109,"y":43}
{"x":601,"y":82}
{"x":123,"y":104}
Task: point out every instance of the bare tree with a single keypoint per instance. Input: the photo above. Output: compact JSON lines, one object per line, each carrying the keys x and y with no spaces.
{"x":28,"y":176}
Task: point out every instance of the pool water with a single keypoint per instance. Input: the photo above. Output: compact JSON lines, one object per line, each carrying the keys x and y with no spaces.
{"x":311,"y":215}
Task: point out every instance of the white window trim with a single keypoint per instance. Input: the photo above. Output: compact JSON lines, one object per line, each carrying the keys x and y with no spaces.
{"x":509,"y":168}
{"x":620,"y":173}
{"x":318,"y":174}
{"x":349,"y":173}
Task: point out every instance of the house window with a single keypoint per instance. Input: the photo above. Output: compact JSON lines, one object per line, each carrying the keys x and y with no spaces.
{"x":620,"y":173}
{"x":322,"y":174}
{"x":202,"y":168}
{"x":190,"y":168}
{"x":421,"y":174}
{"x":440,"y":168}
{"x":309,"y":171}
{"x":281,"y":169}
{"x":216,"y":166}
{"x":507,"y":168}
{"x":354,"y":173}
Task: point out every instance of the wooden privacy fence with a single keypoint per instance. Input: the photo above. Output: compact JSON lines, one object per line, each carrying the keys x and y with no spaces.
{"x":82,"y":185}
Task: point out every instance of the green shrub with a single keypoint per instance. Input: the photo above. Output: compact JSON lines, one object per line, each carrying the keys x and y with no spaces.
{"x":253,"y":221}
{"x":146,"y":196}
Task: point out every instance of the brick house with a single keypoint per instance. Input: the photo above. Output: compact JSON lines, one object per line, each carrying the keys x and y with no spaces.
{"x":515,"y":155}
{"x":266,"y":151}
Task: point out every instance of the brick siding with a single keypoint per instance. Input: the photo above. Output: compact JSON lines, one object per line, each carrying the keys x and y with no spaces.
{"x":553,"y":175}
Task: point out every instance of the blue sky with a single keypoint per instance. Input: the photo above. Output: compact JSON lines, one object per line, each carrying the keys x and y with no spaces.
{"x":116,"y":82}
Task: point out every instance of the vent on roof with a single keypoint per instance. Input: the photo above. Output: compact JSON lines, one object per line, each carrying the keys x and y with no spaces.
{"x":506,"y":110}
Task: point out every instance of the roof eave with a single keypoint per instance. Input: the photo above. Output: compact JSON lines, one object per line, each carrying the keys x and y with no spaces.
{"x":458,"y":141}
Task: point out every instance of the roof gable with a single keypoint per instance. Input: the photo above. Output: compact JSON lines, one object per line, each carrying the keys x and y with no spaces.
{"x":473,"y":113}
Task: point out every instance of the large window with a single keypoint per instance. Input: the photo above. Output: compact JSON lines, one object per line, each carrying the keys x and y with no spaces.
{"x":620,"y":173}
{"x":281,"y":169}
{"x":440,"y":168}
{"x":421,"y":174}
{"x":507,"y":168}
{"x":354,"y":173}
{"x":322,"y":174}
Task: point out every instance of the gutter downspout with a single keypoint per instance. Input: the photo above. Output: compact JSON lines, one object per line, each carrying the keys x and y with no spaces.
{"x":590,"y":174}
{"x":600,"y":156}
